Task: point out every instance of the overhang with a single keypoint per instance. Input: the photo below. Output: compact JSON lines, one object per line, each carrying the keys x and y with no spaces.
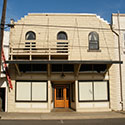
{"x":65,"y":62}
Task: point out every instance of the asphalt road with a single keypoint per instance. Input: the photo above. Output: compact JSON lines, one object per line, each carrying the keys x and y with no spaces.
{"x":65,"y":122}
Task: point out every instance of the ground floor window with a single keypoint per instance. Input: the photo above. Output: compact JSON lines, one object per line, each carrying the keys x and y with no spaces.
{"x":93,"y":91}
{"x":32,"y":91}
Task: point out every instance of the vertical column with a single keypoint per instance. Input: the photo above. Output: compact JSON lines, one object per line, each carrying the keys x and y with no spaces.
{"x":76,"y":94}
{"x":6,"y":98}
{"x":49,"y":95}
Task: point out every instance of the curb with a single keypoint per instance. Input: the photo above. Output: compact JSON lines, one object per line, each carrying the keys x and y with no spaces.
{"x":59,"y":118}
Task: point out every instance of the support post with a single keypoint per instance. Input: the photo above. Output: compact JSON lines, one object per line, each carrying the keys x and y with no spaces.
{"x":49,"y":95}
{"x":2,"y":30}
{"x":76,"y":94}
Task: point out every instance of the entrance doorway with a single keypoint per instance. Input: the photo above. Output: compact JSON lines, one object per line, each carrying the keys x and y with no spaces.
{"x":2,"y":99}
{"x":62,"y":96}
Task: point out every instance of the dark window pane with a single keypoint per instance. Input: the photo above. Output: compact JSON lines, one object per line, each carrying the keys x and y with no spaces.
{"x":62,"y":36}
{"x":93,"y":67}
{"x":33,"y":43}
{"x":93,"y":41}
{"x":59,"y":93}
{"x":68,"y":68}
{"x":56,"y":68}
{"x":27,"y":43}
{"x":32,"y":67}
{"x":93,"y":46}
{"x":62,"y":68}
{"x":86,"y":67}
{"x":67,"y":93}
{"x":27,"y":46}
{"x":30,"y":35}
{"x":100,"y":67}
{"x":24,"y":67}
{"x":39,"y":67}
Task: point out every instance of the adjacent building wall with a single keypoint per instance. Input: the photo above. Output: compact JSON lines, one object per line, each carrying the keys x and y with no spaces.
{"x":118,"y":24}
{"x":3,"y":82}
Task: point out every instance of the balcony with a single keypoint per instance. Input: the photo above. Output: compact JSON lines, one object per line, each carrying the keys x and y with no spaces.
{"x":34,"y":51}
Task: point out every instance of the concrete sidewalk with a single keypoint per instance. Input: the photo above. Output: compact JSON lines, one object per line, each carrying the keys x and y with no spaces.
{"x":61,"y":115}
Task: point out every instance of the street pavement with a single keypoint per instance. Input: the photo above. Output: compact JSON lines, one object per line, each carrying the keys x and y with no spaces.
{"x":62,"y":116}
{"x":115,"y":121}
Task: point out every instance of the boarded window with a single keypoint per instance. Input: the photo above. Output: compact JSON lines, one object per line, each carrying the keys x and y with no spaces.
{"x":23,"y":91}
{"x":31,"y":91}
{"x":100,"y":91}
{"x":93,"y":91}
{"x":85,"y":91}
{"x":39,"y":91}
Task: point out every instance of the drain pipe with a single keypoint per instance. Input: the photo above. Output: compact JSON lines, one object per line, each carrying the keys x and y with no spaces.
{"x":120,"y":67}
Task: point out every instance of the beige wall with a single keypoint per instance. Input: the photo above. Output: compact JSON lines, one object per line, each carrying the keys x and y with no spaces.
{"x":47,"y":26}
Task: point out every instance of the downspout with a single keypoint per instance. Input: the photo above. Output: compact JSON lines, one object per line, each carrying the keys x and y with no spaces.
{"x":120,"y":67}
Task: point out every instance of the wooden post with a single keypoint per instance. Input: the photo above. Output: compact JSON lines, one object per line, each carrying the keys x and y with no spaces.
{"x":2,"y":30}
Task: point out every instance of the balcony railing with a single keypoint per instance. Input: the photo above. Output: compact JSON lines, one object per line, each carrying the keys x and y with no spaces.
{"x":31,"y":49}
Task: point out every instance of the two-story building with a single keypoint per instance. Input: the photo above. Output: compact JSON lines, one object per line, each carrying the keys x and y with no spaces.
{"x":63,"y":61}
{"x":118,"y":24}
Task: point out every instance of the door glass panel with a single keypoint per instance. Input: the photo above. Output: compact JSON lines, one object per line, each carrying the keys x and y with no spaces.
{"x":67,"y":93}
{"x":59,"y":93}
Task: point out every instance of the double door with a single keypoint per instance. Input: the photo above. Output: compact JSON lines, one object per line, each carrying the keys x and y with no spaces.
{"x":61,"y":96}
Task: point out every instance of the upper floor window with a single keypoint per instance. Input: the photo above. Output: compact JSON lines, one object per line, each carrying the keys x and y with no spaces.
{"x":30,"y":35}
{"x":93,"y":41}
{"x":62,"y":36}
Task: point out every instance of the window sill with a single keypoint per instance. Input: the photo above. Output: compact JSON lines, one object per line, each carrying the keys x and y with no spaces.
{"x":93,"y":50}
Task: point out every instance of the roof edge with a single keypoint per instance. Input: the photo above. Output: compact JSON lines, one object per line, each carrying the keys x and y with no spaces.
{"x":61,"y":14}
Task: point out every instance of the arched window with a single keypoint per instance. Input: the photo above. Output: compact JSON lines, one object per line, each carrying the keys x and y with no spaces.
{"x":30,"y":35}
{"x":93,"y":41}
{"x":62,"y":36}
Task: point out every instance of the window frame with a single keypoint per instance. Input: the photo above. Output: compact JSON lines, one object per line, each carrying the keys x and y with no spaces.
{"x":28,"y":33}
{"x":16,"y":82}
{"x":64,"y":34}
{"x":108,"y":91}
{"x":94,"y":42}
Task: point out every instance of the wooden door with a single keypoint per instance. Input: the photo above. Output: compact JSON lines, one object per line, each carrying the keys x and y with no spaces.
{"x":61,"y":96}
